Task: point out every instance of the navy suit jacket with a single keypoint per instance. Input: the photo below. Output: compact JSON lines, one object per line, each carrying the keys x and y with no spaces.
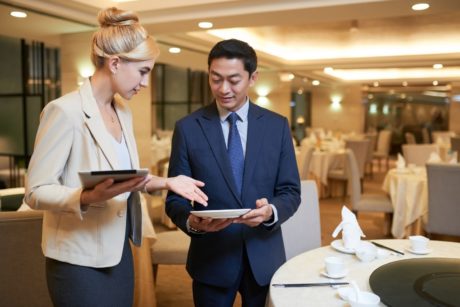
{"x":270,"y":171}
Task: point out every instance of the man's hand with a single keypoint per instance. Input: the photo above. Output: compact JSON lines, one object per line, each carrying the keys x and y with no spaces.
{"x":208,"y":224}
{"x":255,"y":217}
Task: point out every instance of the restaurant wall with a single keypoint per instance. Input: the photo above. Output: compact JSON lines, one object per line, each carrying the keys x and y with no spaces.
{"x":278,"y":94}
{"x":454,"y":110}
{"x":75,"y":50}
{"x":350,"y":117}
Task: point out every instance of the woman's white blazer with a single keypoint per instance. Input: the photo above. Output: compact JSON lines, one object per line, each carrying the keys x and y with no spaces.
{"x":72,"y":137}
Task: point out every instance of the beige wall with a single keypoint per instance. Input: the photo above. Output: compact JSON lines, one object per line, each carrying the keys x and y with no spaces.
{"x":349,"y":118}
{"x":454,"y":110}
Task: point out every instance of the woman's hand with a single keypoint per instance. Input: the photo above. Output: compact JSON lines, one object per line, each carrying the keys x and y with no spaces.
{"x":188,"y":188}
{"x":108,"y":189}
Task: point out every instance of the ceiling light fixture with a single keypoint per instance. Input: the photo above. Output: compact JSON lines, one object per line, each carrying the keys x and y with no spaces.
{"x":328,"y":70}
{"x":404,"y":83}
{"x":286,"y":76}
{"x":376,"y":84}
{"x":420,"y":6}
{"x":205,"y":25}
{"x":174,"y":50}
{"x":315,"y":82}
{"x":437,"y":66}
{"x":435,"y":83}
{"x":18,"y":14}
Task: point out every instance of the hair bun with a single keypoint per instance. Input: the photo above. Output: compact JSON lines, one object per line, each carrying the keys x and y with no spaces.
{"x":114,"y":17}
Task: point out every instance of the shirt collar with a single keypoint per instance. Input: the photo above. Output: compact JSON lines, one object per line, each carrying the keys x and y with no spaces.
{"x":241,"y":112}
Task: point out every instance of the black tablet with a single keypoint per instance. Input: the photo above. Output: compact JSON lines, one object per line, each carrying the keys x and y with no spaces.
{"x":90,"y":178}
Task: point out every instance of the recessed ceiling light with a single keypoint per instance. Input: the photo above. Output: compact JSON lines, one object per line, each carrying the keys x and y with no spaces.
{"x":328,"y":69}
{"x":435,"y":82}
{"x":404,"y":83}
{"x":18,"y":14}
{"x":376,"y":84}
{"x":205,"y":25}
{"x":315,"y":82}
{"x":420,"y":6}
{"x":437,"y":66}
{"x":174,"y":50}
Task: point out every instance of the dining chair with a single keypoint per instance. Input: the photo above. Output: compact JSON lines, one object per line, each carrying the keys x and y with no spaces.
{"x":443,"y":199}
{"x":305,"y":155}
{"x":383,"y":147}
{"x":410,"y":138}
{"x":302,"y":231}
{"x":369,"y":166}
{"x":455,"y":145}
{"x":359,"y":148}
{"x":22,"y":264}
{"x":369,"y":202}
{"x":171,"y":247}
{"x":426,"y":137}
{"x":11,"y":199}
{"x":418,"y":154}
{"x":442,"y":136}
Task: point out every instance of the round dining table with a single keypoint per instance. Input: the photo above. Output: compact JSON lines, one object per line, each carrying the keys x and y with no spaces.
{"x":308,"y":267}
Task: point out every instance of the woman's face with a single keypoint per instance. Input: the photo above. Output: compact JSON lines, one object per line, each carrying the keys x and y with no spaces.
{"x":130,"y":77}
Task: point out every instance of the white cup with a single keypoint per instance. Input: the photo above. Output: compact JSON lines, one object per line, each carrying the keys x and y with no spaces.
{"x":418,"y":243}
{"x":366,"y":251}
{"x":335,"y":266}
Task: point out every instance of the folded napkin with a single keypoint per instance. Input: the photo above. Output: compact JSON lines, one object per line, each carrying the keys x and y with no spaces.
{"x":434,"y":158}
{"x":400,"y":163}
{"x":351,"y":231}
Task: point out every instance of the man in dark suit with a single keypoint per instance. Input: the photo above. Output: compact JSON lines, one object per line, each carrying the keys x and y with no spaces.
{"x":248,"y":162}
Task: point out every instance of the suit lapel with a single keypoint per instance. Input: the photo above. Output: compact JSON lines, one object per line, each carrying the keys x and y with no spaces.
{"x":95,"y":124}
{"x":254,"y":142}
{"x":212,"y":130}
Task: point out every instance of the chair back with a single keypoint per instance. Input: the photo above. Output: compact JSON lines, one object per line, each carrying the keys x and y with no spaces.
{"x":360,"y":150}
{"x":11,"y":199}
{"x":22,"y":264}
{"x":353,"y":178}
{"x":410,"y":138}
{"x":455,"y":145}
{"x":306,"y":153}
{"x":418,"y":154}
{"x":426,"y":138}
{"x":372,"y":137}
{"x":302,"y":232}
{"x":384,"y":142}
{"x":443,"y":199}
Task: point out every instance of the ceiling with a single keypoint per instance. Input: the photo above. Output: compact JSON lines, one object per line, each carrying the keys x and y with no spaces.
{"x":362,"y":40}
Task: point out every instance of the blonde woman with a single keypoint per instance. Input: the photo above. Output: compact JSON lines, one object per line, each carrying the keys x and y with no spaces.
{"x":86,"y":232}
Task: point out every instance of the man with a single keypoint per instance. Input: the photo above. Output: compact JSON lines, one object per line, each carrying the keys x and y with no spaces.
{"x":247,"y":163}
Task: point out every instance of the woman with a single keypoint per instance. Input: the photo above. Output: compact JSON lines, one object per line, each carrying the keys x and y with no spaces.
{"x":86,"y":231}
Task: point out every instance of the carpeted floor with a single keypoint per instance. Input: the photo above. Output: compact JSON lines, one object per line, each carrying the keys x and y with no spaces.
{"x":173,"y":285}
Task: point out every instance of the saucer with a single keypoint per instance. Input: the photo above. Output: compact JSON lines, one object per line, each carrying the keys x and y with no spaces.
{"x":338,"y":245}
{"x":419,"y":252}
{"x":338,"y":276}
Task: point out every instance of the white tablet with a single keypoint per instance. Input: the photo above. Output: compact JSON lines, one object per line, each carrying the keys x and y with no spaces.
{"x":90,"y":178}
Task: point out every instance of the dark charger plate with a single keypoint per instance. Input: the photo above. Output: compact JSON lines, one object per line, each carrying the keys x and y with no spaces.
{"x":418,"y":282}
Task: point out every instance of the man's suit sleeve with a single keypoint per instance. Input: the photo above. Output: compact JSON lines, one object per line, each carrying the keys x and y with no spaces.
{"x":177,"y":207}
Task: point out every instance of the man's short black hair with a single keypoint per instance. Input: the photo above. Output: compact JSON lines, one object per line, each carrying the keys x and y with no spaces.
{"x":235,"y":49}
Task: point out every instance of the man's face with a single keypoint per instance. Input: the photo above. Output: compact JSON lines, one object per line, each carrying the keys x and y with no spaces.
{"x":230,"y":83}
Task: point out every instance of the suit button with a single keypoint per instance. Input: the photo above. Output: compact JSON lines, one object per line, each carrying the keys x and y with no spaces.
{"x":120,"y":213}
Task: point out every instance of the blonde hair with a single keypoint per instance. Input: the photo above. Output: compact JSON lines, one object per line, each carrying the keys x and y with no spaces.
{"x":120,"y":34}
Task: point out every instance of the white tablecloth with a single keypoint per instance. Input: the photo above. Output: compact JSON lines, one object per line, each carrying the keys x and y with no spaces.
{"x":408,"y":192}
{"x":307,"y":266}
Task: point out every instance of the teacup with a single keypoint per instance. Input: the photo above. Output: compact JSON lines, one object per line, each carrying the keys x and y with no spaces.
{"x":418,"y":243}
{"x":366,"y":251}
{"x":335,"y":266}
{"x":366,"y":299}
